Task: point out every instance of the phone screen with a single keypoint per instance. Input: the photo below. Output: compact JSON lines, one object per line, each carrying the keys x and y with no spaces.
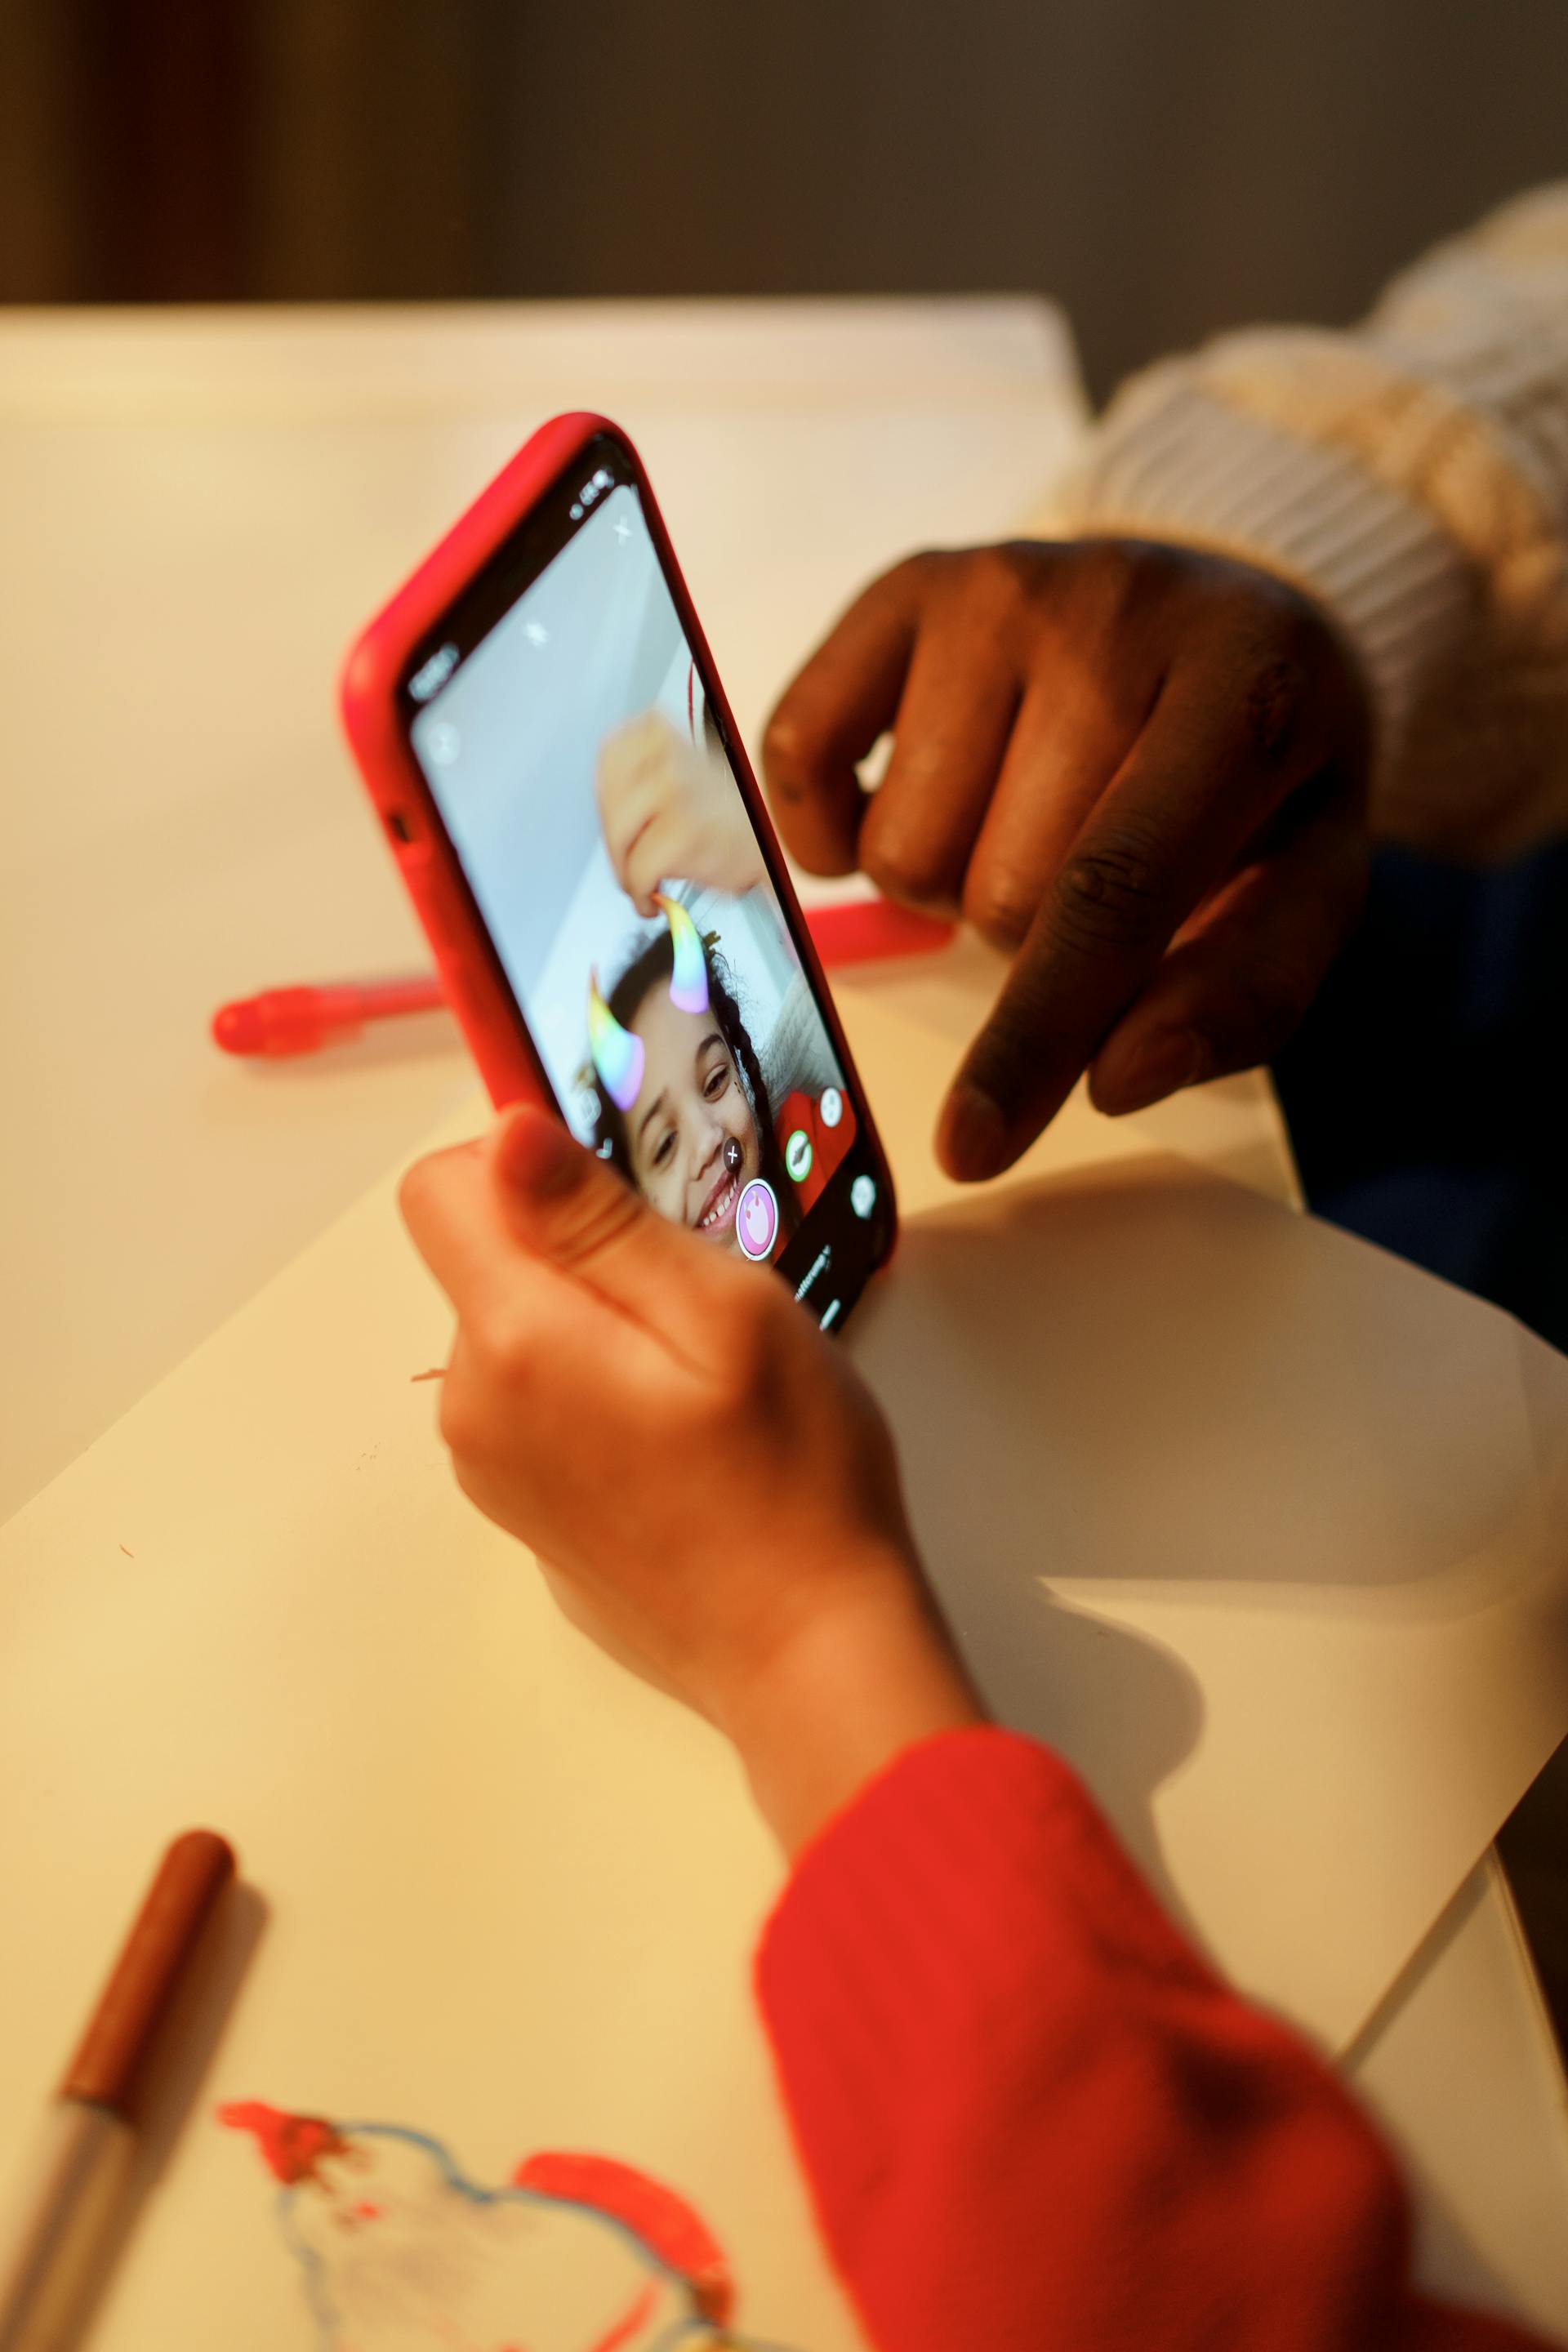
{"x":564,"y":728}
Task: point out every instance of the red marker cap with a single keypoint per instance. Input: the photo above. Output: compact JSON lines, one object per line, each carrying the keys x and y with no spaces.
{"x":146,"y":1977}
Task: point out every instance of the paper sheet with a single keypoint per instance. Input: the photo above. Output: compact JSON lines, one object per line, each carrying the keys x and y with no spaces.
{"x":1263,"y":1529}
{"x":1257,"y":1523}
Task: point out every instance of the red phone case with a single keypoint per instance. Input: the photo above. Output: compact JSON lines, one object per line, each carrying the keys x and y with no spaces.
{"x":470,"y":971}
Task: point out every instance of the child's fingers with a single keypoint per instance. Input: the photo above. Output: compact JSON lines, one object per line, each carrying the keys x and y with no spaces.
{"x":459,"y":1223}
{"x":517,"y":1309}
{"x":531,"y":1226}
{"x":569,"y":1209}
{"x":448,"y":1206}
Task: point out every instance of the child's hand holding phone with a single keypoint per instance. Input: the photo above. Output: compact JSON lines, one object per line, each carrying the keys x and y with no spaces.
{"x":713,"y":1490}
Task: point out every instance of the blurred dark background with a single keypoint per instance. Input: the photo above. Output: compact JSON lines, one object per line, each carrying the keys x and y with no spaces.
{"x":1163,"y":170}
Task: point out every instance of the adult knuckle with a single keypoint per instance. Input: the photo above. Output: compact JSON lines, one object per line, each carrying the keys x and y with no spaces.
{"x":789,"y":739}
{"x":899,"y":865}
{"x":1006,"y":572}
{"x":921,"y":773}
{"x":1000,"y":907}
{"x":1274,"y":701}
{"x":920,"y":567}
{"x":1118,"y":579}
{"x":1111,"y":894}
{"x":1278,"y":652}
{"x":1112,"y":565}
{"x":902,"y":592}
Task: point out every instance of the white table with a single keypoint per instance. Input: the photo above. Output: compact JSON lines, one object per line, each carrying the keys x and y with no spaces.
{"x":201,"y":508}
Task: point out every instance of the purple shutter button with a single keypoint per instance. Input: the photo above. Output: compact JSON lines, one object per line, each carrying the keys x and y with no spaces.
{"x":757,"y":1219}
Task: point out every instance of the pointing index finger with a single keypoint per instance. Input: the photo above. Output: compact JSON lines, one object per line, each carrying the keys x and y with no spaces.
{"x":1168,"y":826}
{"x":831,"y":715}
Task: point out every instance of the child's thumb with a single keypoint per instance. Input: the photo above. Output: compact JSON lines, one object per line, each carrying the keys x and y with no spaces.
{"x":573,"y":1210}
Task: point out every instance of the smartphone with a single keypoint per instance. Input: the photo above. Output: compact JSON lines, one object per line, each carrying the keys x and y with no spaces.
{"x":537,"y":716}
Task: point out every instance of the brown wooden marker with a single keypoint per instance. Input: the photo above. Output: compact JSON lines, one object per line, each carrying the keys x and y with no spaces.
{"x":67,"y":2193}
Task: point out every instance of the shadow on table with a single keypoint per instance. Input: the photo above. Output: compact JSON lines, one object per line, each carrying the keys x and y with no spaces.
{"x":1140,"y":1375}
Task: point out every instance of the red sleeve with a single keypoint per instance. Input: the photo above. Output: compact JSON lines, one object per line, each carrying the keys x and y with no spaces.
{"x":1033,"y":2120}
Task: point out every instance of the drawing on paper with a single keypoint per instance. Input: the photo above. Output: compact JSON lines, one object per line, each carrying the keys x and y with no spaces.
{"x":400,"y":2250}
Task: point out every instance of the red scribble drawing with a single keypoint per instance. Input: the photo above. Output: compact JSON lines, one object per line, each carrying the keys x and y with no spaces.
{"x":400,"y":2250}
{"x":435,"y":1372}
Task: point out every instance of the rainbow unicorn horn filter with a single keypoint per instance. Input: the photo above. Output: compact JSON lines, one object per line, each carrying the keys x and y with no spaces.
{"x":688,"y":979}
{"x":619,"y":1055}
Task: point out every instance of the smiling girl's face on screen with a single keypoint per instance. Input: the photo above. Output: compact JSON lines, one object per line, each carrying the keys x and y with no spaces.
{"x":691,"y":1104}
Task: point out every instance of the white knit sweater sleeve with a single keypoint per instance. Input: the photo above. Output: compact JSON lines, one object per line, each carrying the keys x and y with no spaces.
{"x":1412,"y":474}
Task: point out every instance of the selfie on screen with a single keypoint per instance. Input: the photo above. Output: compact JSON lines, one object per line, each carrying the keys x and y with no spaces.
{"x":614,"y":861}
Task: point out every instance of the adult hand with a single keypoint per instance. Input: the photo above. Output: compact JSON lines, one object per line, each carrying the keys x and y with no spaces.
{"x":1140,"y":768}
{"x":714,"y":1488}
{"x":667,"y":812}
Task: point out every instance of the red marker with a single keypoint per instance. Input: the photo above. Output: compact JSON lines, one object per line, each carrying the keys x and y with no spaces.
{"x":65,"y":2213}
{"x":285,"y":1020}
{"x":282,"y":1021}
